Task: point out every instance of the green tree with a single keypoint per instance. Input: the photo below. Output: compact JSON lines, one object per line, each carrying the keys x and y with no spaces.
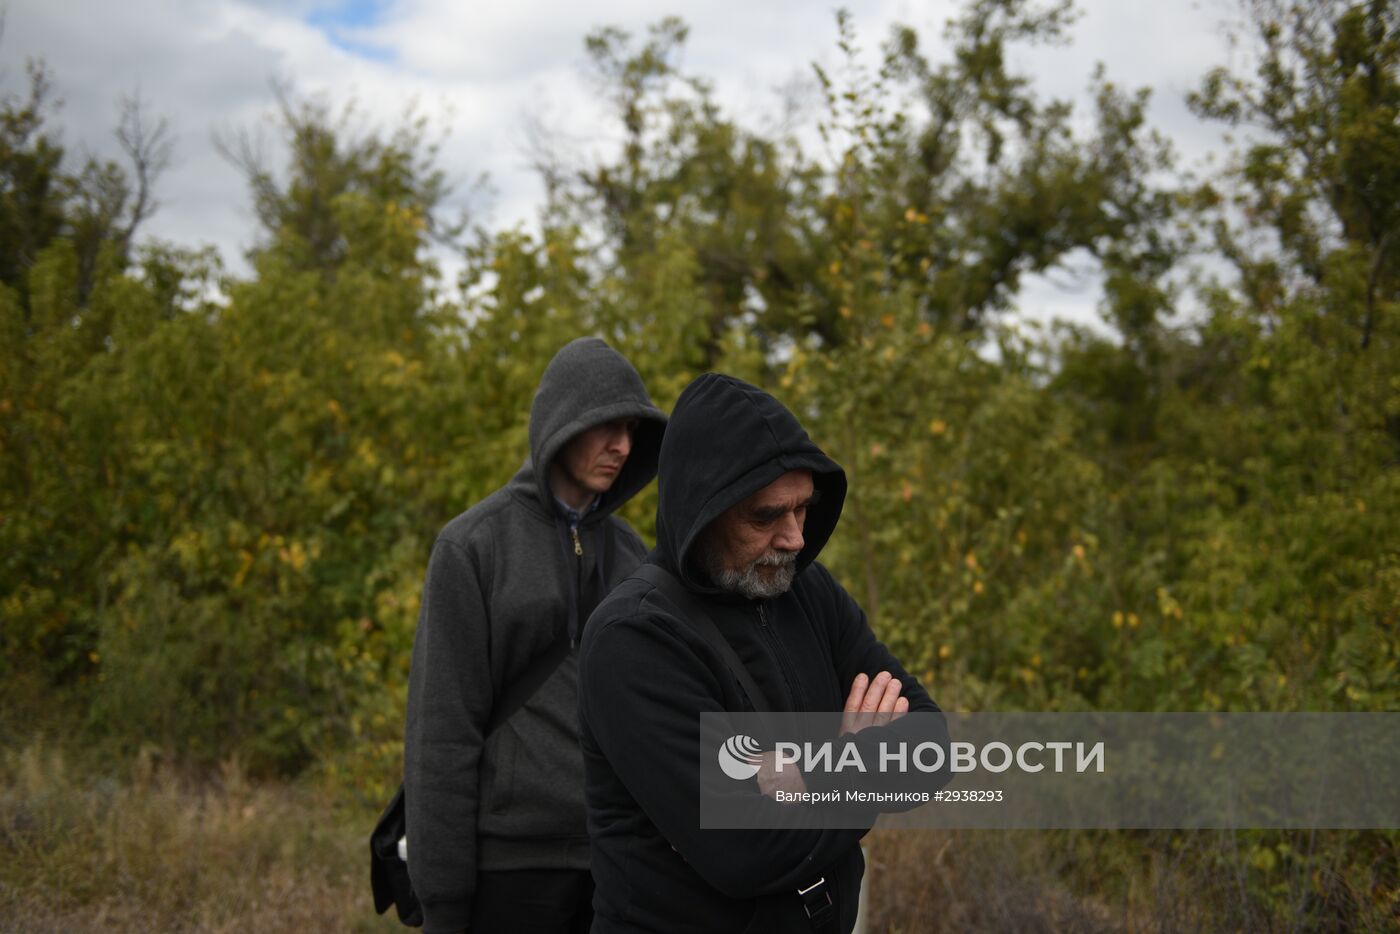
{"x":334,"y":161}
{"x":99,"y":206}
{"x":953,"y":180}
{"x":1299,"y":415}
{"x":63,"y":235}
{"x":299,"y":442}
{"x":31,"y":183}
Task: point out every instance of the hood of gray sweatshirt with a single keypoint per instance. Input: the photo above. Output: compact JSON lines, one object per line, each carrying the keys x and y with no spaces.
{"x":586,"y":384}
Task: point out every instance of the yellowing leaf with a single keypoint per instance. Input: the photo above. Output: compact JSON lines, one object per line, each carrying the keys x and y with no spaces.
{"x":242,"y":574}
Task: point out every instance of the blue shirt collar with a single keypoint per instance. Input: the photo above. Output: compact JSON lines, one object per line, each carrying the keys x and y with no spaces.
{"x":572,"y":514}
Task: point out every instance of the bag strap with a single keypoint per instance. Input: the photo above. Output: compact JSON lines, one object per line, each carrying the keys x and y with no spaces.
{"x":701,"y":621}
{"x":523,"y":686}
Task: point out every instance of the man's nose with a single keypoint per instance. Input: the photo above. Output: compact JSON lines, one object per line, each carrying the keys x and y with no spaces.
{"x":621,"y":442}
{"x":789,"y":535}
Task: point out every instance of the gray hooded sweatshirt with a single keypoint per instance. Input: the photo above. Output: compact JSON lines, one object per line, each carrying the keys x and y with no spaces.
{"x":504,"y":581}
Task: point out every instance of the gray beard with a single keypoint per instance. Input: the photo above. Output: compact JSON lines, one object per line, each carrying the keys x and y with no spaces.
{"x":748,"y":582}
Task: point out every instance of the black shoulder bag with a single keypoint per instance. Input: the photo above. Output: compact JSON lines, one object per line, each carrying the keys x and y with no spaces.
{"x":815,"y":896}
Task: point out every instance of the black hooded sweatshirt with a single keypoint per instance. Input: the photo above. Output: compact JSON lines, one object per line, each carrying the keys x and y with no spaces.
{"x":646,"y":675}
{"x":504,"y":581}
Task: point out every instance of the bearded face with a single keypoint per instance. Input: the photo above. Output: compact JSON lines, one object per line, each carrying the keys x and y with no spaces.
{"x":751,"y":549}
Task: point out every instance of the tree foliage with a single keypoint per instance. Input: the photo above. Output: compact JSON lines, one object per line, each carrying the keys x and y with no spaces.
{"x":97,"y":208}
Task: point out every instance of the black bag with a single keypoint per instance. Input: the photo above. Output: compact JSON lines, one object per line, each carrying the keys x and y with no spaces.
{"x":387,"y":873}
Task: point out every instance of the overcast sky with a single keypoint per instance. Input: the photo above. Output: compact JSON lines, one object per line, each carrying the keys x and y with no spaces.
{"x":475,"y":68}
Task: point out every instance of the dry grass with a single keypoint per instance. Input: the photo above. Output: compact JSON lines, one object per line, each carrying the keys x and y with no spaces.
{"x":158,"y":851}
{"x":1130,"y":881}
{"x":935,"y":881}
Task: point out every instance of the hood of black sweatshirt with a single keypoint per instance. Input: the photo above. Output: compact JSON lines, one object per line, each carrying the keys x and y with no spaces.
{"x":725,"y":441}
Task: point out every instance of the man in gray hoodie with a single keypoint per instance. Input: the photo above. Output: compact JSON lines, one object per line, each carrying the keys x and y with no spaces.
{"x":493,"y":781}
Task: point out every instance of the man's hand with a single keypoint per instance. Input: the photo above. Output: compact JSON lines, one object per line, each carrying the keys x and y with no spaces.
{"x":771,"y":781}
{"x":873,"y":702}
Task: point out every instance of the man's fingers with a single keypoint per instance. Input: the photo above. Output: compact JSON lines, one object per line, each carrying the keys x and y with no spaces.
{"x":854,"y":700}
{"x":879,"y":696}
{"x":890,"y":695}
{"x":875,"y":693}
{"x":888,"y":699}
{"x":857,"y":695}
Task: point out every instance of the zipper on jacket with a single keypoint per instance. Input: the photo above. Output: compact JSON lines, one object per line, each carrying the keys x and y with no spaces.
{"x":578,"y":545}
{"x":771,"y":637}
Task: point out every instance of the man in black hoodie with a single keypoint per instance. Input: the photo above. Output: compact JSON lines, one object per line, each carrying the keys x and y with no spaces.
{"x":494,"y":795}
{"x":746,"y":503}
